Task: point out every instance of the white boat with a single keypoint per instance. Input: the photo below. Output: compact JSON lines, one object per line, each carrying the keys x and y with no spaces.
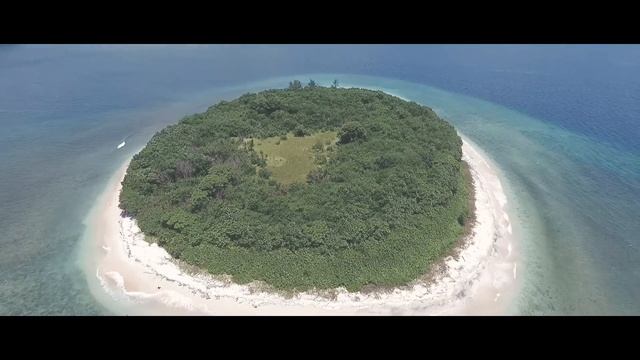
{"x":122,"y":144}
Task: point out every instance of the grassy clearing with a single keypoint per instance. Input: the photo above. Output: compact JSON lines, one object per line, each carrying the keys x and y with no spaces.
{"x":292,"y":159}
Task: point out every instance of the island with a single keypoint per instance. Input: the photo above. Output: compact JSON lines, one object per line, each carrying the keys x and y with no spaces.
{"x":305,"y":188}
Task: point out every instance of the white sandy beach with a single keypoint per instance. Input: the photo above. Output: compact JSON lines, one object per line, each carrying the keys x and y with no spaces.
{"x":130,"y":276}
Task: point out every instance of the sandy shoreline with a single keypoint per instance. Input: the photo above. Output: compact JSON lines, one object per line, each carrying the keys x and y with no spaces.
{"x":131,"y":276}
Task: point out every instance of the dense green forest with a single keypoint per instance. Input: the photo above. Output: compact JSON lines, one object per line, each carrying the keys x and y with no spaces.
{"x":387,"y":198}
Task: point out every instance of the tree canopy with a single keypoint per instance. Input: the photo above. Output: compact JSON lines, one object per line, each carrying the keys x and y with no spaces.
{"x":352,"y":131}
{"x":387,"y":201}
{"x":295,"y":85}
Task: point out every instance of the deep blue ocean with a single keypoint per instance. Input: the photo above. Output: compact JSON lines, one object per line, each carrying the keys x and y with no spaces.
{"x":561,"y":121}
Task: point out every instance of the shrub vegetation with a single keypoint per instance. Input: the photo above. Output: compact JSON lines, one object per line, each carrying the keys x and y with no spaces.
{"x":376,"y":196}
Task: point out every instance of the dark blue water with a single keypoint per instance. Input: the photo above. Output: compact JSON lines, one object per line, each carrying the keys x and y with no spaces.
{"x":561,"y":121}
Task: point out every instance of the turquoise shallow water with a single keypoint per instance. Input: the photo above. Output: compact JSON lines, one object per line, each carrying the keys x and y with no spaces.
{"x":576,"y":195}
